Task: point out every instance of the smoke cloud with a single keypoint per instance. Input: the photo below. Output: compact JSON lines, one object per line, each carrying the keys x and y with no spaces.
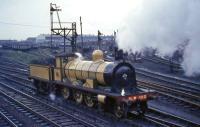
{"x":164,"y":24}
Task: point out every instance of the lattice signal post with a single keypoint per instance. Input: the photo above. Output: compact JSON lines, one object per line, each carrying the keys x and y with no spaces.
{"x":65,"y":29}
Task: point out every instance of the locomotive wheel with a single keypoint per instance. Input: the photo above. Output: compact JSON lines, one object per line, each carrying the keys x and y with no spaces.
{"x":120,"y":111}
{"x":66,"y":93}
{"x":44,"y":87}
{"x":78,"y":96}
{"x":36,"y":84}
{"x":142,"y":108}
{"x":89,"y":101}
{"x":41,"y":88}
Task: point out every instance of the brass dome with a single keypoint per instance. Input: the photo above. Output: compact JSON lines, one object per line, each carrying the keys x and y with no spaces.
{"x":97,"y":55}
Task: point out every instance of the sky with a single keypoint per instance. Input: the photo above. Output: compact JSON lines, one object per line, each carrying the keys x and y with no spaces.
{"x":20,"y":19}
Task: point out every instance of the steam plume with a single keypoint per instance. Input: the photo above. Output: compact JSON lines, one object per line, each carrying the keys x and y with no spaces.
{"x":80,"y":56}
{"x":52,"y":96}
{"x":164,"y":24}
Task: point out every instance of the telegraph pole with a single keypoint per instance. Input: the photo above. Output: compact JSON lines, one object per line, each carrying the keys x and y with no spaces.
{"x":81,"y":35}
{"x":99,"y":39}
{"x":64,"y":39}
{"x":51,"y":18}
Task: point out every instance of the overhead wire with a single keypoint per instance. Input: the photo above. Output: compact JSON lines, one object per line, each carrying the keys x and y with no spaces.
{"x":23,"y":25}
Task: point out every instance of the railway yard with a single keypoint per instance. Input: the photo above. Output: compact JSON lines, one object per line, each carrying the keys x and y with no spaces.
{"x":144,"y":74}
{"x":177,"y":102}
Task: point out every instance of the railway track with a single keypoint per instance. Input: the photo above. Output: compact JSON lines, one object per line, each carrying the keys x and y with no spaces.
{"x":22,"y":84}
{"x":17,"y":79}
{"x":14,"y":70}
{"x":54,"y":116}
{"x":174,"y":89}
{"x":14,"y":62}
{"x":19,"y":114}
{"x":169,"y":63}
{"x":160,"y":121}
{"x":72,"y":107}
{"x":168,"y":120}
{"x":172,"y":81}
{"x":166,"y":60}
{"x":8,"y":64}
{"x":5,"y":121}
{"x":156,"y":118}
{"x":181,"y":98}
{"x":173,"y":93}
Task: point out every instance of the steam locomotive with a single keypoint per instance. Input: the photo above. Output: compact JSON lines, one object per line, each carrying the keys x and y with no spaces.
{"x":111,"y":86}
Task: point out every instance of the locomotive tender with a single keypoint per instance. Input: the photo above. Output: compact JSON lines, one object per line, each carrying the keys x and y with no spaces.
{"x":111,"y":86}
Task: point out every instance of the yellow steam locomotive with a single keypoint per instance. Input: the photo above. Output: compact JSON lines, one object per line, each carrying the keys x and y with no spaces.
{"x":109,"y":85}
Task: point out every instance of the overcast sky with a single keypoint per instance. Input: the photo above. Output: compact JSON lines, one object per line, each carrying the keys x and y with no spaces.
{"x":106,"y":15}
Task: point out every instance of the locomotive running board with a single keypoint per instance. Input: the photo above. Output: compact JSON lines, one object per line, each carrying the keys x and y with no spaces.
{"x":95,"y":91}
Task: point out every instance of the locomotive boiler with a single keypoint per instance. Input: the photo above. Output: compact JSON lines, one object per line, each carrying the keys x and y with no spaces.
{"x":109,"y":85}
{"x":119,"y":76}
